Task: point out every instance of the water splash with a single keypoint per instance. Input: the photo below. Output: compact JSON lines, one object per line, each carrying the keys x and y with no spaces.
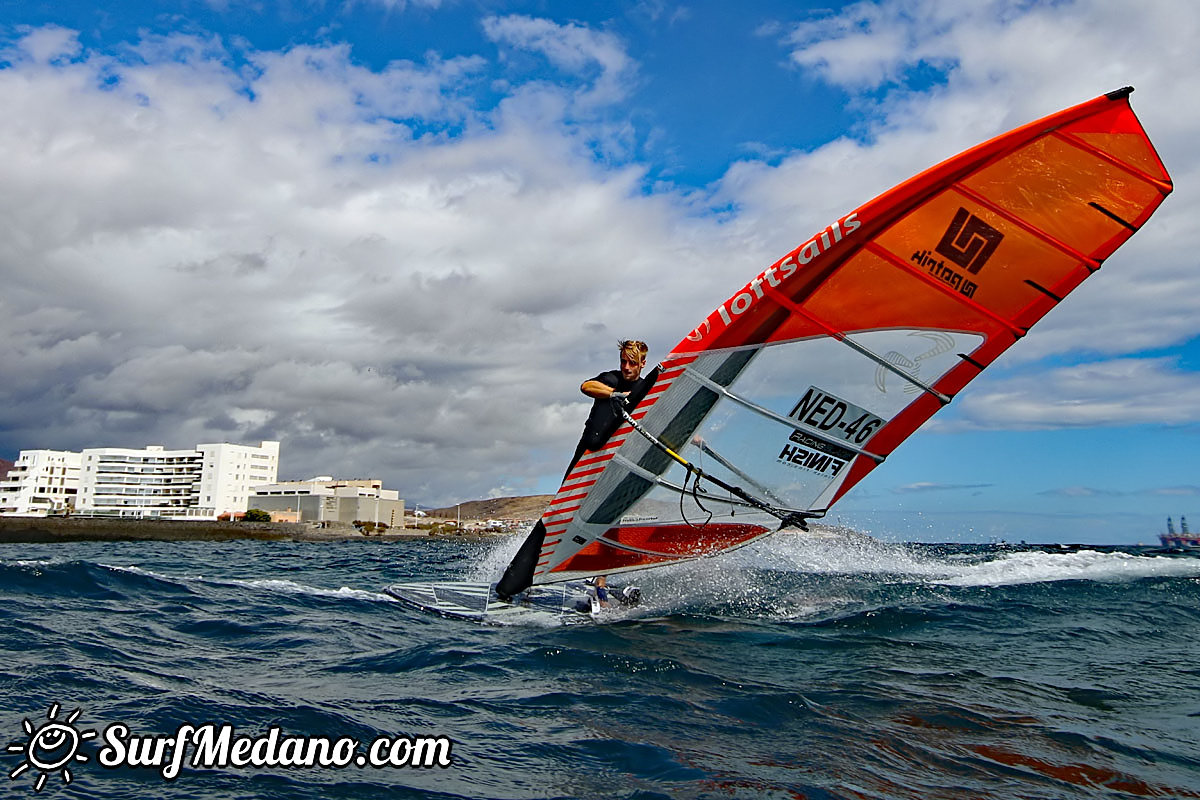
{"x":492,"y":558}
{"x":1040,"y":567}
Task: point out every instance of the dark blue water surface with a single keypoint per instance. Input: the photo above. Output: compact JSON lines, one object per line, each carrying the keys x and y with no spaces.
{"x":801,"y":668}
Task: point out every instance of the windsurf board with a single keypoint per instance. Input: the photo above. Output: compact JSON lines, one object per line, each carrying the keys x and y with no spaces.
{"x":566,"y":603}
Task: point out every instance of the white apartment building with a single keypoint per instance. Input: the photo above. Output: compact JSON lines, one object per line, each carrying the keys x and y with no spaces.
{"x":127,"y":482}
{"x":205,"y":483}
{"x":231,"y":471}
{"x":41,"y":482}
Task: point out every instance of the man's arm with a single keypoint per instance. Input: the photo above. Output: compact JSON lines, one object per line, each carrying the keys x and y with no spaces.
{"x":601,"y":386}
{"x":596,"y":389}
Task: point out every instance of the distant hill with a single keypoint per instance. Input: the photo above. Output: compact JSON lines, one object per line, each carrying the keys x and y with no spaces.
{"x":497,"y":508}
{"x":5,"y":466}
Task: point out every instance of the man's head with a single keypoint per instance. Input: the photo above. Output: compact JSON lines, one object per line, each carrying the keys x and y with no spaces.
{"x":633,"y":358}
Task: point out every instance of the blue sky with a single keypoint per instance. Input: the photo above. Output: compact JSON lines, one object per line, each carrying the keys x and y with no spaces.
{"x":397,"y":235}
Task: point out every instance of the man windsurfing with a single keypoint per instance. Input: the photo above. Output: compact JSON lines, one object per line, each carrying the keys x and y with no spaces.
{"x":610,"y":392}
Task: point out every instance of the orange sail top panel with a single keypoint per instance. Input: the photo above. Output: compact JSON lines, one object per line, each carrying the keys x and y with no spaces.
{"x":1067,"y":193}
{"x":1080,"y":181}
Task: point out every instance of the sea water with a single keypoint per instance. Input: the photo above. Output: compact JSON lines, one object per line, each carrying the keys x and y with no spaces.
{"x":798,"y":668}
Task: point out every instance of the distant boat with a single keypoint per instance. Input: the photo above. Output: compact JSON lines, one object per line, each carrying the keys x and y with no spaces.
{"x":1183,"y":540}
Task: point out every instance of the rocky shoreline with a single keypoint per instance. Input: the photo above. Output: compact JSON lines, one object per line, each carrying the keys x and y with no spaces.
{"x":23,"y":530}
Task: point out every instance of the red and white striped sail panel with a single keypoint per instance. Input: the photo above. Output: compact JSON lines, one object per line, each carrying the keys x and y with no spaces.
{"x":808,"y":377}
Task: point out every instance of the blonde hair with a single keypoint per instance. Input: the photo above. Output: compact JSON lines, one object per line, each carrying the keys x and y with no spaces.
{"x":634,"y":350}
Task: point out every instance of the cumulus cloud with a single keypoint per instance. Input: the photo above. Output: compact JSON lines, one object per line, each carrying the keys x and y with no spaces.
{"x":1124,"y":391}
{"x":596,"y":56}
{"x":1082,"y":492}
{"x":868,"y":44}
{"x":200,"y":241}
{"x":397,"y":5}
{"x":1073,"y":492}
{"x":926,"y":486}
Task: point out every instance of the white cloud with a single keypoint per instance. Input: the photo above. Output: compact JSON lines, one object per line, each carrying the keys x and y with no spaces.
{"x":1087,"y":491}
{"x":1176,"y":491}
{"x":1124,"y":391}
{"x":394,"y":6}
{"x":200,"y":242}
{"x":47,"y":44}
{"x":1082,"y":492}
{"x":575,"y":49}
{"x":865,"y":44}
{"x":204,"y":244}
{"x":927,"y":486}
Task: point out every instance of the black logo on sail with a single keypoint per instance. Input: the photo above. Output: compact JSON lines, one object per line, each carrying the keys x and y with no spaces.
{"x":969,"y":241}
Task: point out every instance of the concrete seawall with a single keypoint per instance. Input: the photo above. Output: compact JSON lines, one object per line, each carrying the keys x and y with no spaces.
{"x":79,"y":529}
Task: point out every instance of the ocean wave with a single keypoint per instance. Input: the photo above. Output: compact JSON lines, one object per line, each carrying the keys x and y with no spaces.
{"x":1091,"y":565}
{"x":817,"y":668}
{"x":292,"y":587}
{"x":277,"y":585}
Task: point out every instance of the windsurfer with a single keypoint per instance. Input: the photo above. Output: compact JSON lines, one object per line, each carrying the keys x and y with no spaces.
{"x":607,"y":390}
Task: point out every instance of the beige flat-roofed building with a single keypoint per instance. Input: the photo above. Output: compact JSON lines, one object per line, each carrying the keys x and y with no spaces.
{"x":324,"y":500}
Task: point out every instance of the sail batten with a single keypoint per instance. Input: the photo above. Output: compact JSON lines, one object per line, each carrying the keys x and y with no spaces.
{"x":1163,"y":186}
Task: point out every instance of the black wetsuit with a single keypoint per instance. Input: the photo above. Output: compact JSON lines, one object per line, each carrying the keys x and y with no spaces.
{"x":604,"y":417}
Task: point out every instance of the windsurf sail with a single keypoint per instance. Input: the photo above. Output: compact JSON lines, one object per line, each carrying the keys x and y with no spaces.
{"x":809,"y":376}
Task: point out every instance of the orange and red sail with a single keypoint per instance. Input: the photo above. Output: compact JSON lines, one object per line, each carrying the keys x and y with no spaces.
{"x":803,"y":381}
